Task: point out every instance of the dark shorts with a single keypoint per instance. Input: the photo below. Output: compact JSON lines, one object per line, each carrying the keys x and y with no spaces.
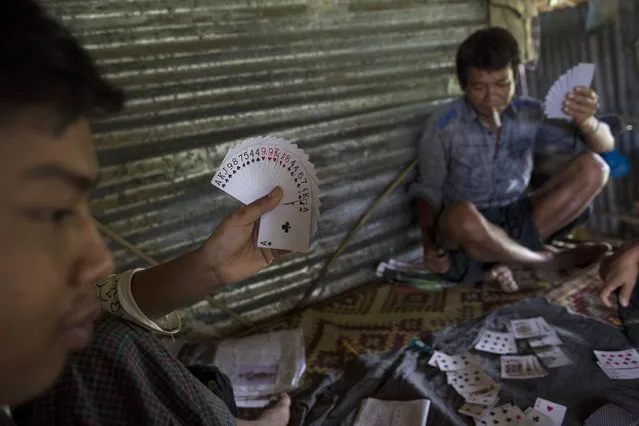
{"x":517,"y":220}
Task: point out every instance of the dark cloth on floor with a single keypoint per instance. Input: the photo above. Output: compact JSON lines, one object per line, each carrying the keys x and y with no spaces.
{"x":630,"y":316}
{"x":126,"y":377}
{"x":404,"y":375}
{"x":516,"y":219}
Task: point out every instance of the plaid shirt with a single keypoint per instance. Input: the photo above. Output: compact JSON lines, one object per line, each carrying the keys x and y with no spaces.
{"x":459,"y":159}
{"x":126,"y":377}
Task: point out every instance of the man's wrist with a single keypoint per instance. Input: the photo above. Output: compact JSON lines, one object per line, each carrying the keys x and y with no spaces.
{"x":201,"y":270}
{"x":590,"y":126}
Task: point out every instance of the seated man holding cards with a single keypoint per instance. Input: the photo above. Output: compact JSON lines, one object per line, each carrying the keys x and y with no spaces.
{"x":56,"y":268}
{"x":475,"y":164}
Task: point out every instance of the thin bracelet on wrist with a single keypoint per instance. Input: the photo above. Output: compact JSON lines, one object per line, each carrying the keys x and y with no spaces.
{"x":594,"y":131}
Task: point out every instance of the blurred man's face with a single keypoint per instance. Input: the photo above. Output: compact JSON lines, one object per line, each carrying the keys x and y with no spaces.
{"x":490,"y":89}
{"x":50,"y":251}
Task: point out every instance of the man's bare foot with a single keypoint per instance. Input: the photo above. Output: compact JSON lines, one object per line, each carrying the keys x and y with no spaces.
{"x":503,"y":276}
{"x":278,"y":415}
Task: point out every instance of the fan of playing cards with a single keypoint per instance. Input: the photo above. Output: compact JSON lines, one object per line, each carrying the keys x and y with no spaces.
{"x":256,"y":166}
{"x":580,"y":75}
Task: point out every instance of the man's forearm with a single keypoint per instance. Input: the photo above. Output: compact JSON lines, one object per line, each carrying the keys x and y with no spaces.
{"x":172,"y":285}
{"x":597,"y":135}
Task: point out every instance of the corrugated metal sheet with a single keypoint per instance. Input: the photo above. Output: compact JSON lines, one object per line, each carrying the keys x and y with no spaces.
{"x":564,"y":44}
{"x":349,"y":80}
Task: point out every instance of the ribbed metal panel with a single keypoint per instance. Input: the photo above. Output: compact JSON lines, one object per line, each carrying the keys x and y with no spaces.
{"x":349,"y":80}
{"x":564,"y":44}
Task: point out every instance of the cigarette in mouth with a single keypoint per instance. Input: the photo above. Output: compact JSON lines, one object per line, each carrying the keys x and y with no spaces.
{"x":497,"y":118}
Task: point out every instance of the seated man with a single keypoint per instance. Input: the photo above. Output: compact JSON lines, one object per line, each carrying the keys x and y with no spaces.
{"x":53,"y":255}
{"x":475,"y":164}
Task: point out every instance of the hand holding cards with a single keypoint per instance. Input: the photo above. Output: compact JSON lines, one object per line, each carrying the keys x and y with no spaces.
{"x":579,"y":76}
{"x":253,"y":168}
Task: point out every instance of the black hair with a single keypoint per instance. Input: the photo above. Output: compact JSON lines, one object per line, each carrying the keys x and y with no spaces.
{"x":43,"y":65}
{"x":490,"y":49}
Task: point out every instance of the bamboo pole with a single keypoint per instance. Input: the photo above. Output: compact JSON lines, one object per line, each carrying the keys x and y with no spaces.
{"x":349,"y":237}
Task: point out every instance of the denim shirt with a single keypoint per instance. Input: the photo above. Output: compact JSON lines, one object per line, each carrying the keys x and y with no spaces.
{"x":460,"y":160}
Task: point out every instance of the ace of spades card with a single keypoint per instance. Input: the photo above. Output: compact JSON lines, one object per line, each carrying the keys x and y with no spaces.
{"x":256,"y":166}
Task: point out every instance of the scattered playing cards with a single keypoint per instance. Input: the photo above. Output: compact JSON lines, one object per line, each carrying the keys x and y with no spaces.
{"x":496,"y":343}
{"x":623,"y":365}
{"x":578,"y":76}
{"x":552,"y":356}
{"x":465,"y":375}
{"x":256,"y":166}
{"x":521,"y":367}
{"x":553,"y":411}
{"x":531,"y":327}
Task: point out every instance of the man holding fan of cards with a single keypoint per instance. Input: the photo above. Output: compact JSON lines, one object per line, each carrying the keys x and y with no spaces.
{"x":475,"y":164}
{"x":60,"y":363}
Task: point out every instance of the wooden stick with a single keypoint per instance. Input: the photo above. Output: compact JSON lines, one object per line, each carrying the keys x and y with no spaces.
{"x":349,"y":237}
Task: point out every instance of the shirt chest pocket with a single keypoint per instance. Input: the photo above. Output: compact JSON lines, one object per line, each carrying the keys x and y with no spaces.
{"x":469,"y":171}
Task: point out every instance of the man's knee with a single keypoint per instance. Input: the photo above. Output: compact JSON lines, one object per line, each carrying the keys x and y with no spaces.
{"x":462,"y":222}
{"x":593,"y":171}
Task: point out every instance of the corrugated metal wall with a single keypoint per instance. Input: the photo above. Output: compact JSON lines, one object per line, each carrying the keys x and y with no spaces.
{"x":564,"y":44}
{"x":349,"y":80}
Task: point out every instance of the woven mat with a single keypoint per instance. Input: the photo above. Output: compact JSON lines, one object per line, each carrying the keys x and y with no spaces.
{"x":384,"y":317}
{"x":581,"y":294}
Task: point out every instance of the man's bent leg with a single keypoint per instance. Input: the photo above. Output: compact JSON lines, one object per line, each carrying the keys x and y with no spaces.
{"x":562,"y":199}
{"x":463,"y":226}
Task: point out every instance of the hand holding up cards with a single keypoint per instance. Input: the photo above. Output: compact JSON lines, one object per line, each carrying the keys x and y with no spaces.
{"x":578,"y":76}
{"x":256,"y":166}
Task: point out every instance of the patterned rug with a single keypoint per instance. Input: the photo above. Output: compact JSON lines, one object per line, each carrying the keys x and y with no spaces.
{"x":382,"y":317}
{"x":581,"y":294}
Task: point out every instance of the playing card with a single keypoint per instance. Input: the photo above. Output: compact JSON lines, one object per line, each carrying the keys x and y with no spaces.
{"x":455,"y":362}
{"x":555,"y":412}
{"x":433,"y":359}
{"x":487,"y":397}
{"x":621,"y":373}
{"x":469,"y":380}
{"x":531,"y":327}
{"x":496,"y":343}
{"x":504,"y":415}
{"x":619,"y":359}
{"x":472,"y":410}
{"x":285,"y":228}
{"x":552,"y":356}
{"x":538,"y":418}
{"x":521,"y":367}
{"x":548,"y":339}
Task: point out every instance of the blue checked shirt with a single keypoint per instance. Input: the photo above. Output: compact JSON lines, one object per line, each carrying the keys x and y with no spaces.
{"x":459,"y":159}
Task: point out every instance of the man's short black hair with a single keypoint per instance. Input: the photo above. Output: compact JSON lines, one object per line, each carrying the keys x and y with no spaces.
{"x":490,"y":49}
{"x":43,"y":65}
